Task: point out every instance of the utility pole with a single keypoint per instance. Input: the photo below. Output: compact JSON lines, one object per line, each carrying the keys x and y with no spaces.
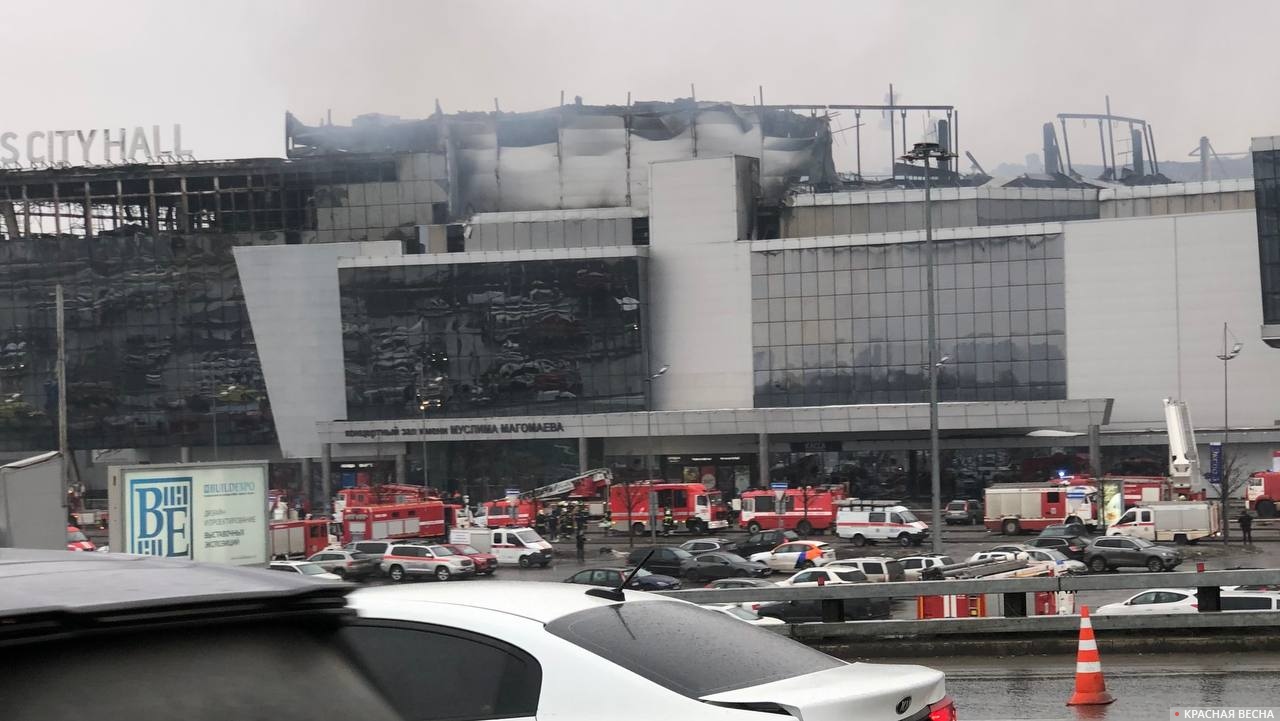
{"x":923,"y":152}
{"x":1224,"y":480}
{"x":64,"y":446}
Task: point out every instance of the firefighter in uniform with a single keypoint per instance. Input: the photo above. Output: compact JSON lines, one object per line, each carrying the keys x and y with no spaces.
{"x":668,"y":521}
{"x":566,"y":521}
{"x":583,"y":517}
{"x":555,"y":522}
{"x":606,"y":524}
{"x":540,"y":522}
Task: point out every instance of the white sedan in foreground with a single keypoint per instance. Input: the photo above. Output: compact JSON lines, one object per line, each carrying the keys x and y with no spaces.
{"x":1156,"y":600}
{"x":552,"y":650}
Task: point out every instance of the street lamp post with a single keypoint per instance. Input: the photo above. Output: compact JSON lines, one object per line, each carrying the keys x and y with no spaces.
{"x":213,"y":409}
{"x":1224,"y":485}
{"x":923,"y":152}
{"x":648,"y":460}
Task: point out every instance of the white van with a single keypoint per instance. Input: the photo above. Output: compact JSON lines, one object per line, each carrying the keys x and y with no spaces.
{"x":512,"y":546}
{"x":866,"y":523}
{"x":1165,"y":521}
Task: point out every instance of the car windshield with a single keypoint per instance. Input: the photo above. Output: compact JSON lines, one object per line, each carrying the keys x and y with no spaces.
{"x":440,"y":550}
{"x":639,"y":574}
{"x":76,"y":536}
{"x":955,"y":506}
{"x":732,"y":557}
{"x":908,"y":516}
{"x":310,"y":569}
{"x":529,"y":537}
{"x":465,"y":550}
{"x":1142,"y":542}
{"x":681,"y":553}
{"x":1051,"y":553}
{"x":640,"y":635}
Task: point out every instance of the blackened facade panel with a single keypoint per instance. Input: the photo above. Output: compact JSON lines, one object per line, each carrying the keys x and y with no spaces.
{"x":849,"y":324}
{"x":1266,"y":184}
{"x":469,"y":339}
{"x":159,"y":346}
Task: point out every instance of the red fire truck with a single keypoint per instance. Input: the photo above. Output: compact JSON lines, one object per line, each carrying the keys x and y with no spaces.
{"x":523,"y":509}
{"x":1263,"y":493}
{"x":1014,"y":508}
{"x":803,"y":510}
{"x":422,"y":519}
{"x":692,"y":505}
{"x":1137,"y":489}
{"x":299,"y":539}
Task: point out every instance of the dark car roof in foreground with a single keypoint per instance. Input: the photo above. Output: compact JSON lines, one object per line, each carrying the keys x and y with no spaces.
{"x":36,"y":582}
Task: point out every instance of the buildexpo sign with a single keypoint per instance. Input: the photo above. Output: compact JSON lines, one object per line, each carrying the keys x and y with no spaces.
{"x":457,"y":430}
{"x":91,"y":147}
{"x":215,"y":513}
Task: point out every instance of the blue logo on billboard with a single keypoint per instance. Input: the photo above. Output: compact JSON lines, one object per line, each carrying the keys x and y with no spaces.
{"x":1215,"y":463}
{"x":161,"y":519}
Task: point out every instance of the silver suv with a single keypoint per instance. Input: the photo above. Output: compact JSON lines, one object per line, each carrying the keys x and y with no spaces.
{"x":409,"y":559}
{"x":1111,"y":552}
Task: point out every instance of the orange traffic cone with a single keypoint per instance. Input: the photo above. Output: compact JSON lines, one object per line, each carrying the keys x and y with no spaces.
{"x":1091,"y":689}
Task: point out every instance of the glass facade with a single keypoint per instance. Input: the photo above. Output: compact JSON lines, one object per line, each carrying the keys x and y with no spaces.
{"x":159,"y":347}
{"x":1266,"y":188}
{"x":467,"y":339}
{"x":848,"y":325}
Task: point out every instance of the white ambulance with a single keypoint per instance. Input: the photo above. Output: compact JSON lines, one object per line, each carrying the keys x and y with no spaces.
{"x":864,"y":522}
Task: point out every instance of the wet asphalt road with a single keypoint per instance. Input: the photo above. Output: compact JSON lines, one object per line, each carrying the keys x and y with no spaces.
{"x":1145,"y":687}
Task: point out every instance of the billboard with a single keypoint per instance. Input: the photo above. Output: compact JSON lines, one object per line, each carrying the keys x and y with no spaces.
{"x":212,"y":512}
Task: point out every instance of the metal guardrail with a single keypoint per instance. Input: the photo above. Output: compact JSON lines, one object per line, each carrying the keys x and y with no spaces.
{"x":1031,"y":625}
{"x":911,"y":589}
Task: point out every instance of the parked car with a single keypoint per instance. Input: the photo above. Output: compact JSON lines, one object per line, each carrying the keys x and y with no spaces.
{"x":968,"y":513}
{"x":878,"y":569}
{"x":559,"y":651}
{"x":1065,"y":530}
{"x":666,"y":560}
{"x":724,"y":565}
{"x":351,"y":565}
{"x":824,"y":576}
{"x":1183,"y":600}
{"x":699,"y":546}
{"x":915,"y":566}
{"x":104,"y":622}
{"x":413,"y":559}
{"x":1070,"y":546}
{"x":765,"y":541}
{"x":377,"y":549}
{"x":796,"y":555}
{"x":1111,"y":552}
{"x":733,"y":610}
{"x":1061,"y":563}
{"x":1156,"y":600}
{"x":811,"y":611}
{"x":612,"y":578}
{"x":743,"y":583}
{"x":992,"y":556}
{"x":311,"y":570}
{"x":486,"y":563}
{"x":1012,"y":548}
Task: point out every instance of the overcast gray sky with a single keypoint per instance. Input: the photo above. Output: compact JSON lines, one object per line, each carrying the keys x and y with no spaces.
{"x":228,"y":70}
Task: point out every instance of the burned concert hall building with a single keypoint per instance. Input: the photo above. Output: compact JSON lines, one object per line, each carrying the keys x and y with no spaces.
{"x":688,"y":290}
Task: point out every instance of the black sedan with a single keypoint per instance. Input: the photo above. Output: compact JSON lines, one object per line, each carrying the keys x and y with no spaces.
{"x":1070,"y":546}
{"x":612,"y":578}
{"x":712,"y":566}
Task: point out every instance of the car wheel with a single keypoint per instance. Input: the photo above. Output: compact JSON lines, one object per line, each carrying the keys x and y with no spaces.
{"x":859,"y":540}
{"x":340,"y":573}
{"x":1266,"y":508}
{"x":1073,"y":519}
{"x":1155,"y":565}
{"x":740,"y":573}
{"x":396,"y":573}
{"x":807,"y":564}
{"x":1010,"y":527}
{"x":1098,"y":564}
{"x":904,"y":540}
{"x":637,"y":528}
{"x":442,"y":573}
{"x":696,"y":526}
{"x":524,"y":562}
{"x":804,"y":528}
{"x":753,"y":528}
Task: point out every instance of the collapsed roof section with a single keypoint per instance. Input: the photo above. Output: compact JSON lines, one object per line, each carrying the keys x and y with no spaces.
{"x":585,"y":156}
